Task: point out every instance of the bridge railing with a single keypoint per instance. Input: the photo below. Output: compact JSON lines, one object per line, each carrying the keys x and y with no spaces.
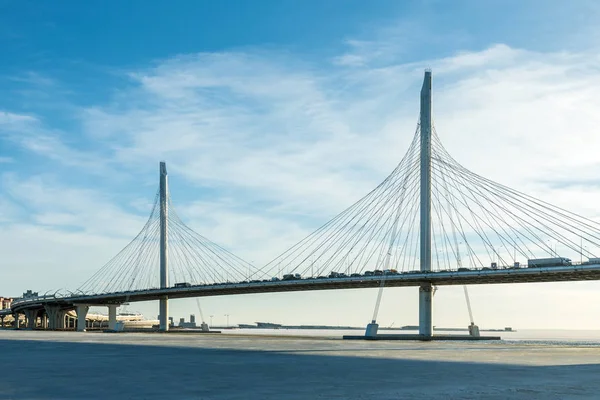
{"x":37,"y":299}
{"x":380,"y":274}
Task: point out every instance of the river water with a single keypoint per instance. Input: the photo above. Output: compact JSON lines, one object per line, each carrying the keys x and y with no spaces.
{"x":296,"y":364}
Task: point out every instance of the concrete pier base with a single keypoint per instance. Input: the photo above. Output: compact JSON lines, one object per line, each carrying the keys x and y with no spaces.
{"x":421,"y":338}
{"x":371,"y":330}
{"x":474,"y":330}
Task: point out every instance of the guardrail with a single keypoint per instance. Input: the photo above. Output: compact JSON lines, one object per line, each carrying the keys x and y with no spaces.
{"x":414,"y":275}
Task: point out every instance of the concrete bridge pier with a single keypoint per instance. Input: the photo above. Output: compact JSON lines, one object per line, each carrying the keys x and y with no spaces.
{"x":425,"y":311}
{"x":112,"y":316}
{"x":56,"y":317}
{"x":1,"y":321}
{"x":16,"y":323}
{"x":82,"y":311}
{"x":31,"y":317}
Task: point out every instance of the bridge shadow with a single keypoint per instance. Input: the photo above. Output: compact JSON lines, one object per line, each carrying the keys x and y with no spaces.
{"x":34,"y":369}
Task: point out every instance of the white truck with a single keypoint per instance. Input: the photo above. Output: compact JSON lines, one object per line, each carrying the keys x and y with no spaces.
{"x":548,"y":262}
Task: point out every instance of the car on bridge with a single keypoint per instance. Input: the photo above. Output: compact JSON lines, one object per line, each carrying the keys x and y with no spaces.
{"x":369,"y":273}
{"x":291,"y":277}
{"x":334,"y":274}
{"x":182,"y":284}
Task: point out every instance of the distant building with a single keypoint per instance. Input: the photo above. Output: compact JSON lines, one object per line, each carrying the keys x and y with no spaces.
{"x":5,"y":302}
{"x":191,"y":324}
{"x":267,"y":325}
{"x":29,"y":294}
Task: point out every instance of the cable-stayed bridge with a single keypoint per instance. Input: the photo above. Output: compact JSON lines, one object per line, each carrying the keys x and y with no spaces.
{"x":431,"y":222}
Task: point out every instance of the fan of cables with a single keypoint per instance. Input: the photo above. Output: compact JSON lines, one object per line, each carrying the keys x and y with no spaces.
{"x":192,"y":259}
{"x":475,"y":223}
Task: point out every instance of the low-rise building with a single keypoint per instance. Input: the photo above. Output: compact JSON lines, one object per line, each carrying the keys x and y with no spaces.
{"x":5,"y":302}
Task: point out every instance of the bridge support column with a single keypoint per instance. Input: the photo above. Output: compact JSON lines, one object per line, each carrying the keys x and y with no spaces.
{"x":31,"y":317}
{"x":16,"y":324}
{"x":425,"y":310}
{"x":163,"y":316}
{"x":82,"y":311}
{"x":112,"y":316}
{"x":60,"y":320}
{"x":1,"y":321}
{"x":56,"y":317}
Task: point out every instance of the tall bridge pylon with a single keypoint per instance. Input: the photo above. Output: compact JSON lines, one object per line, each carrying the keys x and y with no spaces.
{"x":164,"y":248}
{"x":425,"y":290}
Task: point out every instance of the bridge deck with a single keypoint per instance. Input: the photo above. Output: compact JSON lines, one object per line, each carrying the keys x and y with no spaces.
{"x":473,"y":277}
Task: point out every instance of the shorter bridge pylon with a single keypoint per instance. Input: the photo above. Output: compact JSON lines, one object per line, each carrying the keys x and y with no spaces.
{"x":164,"y":248}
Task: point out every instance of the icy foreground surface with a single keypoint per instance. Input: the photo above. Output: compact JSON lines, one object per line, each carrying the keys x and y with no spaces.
{"x":69,"y":365}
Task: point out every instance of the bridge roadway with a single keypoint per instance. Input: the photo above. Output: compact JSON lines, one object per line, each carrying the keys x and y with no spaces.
{"x":580,"y":272}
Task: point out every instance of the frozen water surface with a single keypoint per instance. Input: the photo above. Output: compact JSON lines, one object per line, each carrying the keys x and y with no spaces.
{"x":69,"y":365}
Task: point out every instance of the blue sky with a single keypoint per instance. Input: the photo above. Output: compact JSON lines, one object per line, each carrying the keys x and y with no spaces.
{"x":263,"y":111}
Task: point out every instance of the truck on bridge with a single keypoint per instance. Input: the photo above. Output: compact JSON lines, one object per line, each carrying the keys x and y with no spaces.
{"x":591,"y":260}
{"x":548,"y":262}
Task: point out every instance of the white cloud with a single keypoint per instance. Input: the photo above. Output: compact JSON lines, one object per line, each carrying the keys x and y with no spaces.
{"x":51,"y":204}
{"x":9,"y":120}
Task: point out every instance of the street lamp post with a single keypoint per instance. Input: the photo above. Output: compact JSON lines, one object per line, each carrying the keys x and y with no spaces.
{"x":227,"y":315}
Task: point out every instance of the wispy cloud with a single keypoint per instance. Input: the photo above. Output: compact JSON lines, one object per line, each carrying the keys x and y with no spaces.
{"x":33,"y":78}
